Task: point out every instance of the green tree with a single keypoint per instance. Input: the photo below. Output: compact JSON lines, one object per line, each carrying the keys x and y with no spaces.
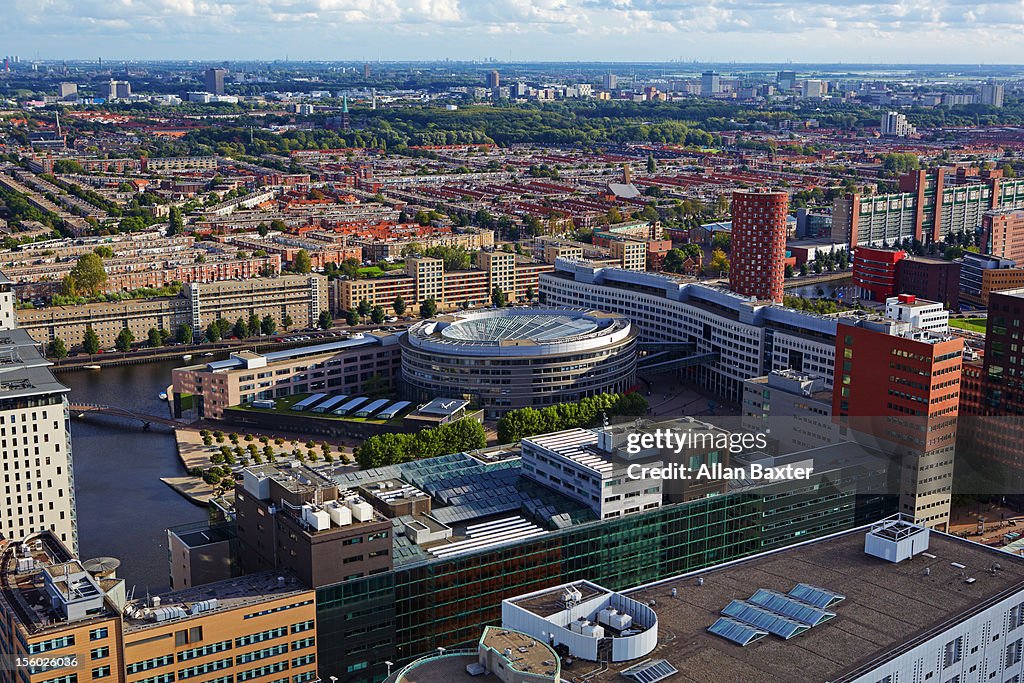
{"x":91,"y":342}
{"x":213,"y":333}
{"x":303,"y":263}
{"x":529,"y":294}
{"x":155,"y":340}
{"x":498,"y":298}
{"x":103,"y":251}
{"x":124,"y":340}
{"x":184,"y":334}
{"x":652,"y":165}
{"x":428,"y":308}
{"x":398,"y":306}
{"x":58,"y":349}
{"x":377,"y":315}
{"x":175,"y":224}
{"x":363,"y":308}
{"x":287,"y":321}
{"x":325,"y":321}
{"x":88,"y":274}
{"x":268,"y":325}
{"x":351,"y":317}
{"x":254,"y":324}
{"x":241,"y":328}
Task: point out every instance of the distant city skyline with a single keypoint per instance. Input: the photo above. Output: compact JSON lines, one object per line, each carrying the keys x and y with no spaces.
{"x":907,"y":31}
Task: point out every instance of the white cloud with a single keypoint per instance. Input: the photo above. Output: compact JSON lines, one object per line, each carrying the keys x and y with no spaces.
{"x":848,"y":30}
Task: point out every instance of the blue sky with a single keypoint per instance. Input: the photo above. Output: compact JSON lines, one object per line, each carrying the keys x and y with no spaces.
{"x":989,"y":31}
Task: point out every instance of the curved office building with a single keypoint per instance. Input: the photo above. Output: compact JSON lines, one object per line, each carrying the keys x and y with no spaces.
{"x":502,"y":359}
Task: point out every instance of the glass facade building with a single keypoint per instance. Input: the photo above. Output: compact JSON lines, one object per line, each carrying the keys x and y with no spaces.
{"x":424,"y":604}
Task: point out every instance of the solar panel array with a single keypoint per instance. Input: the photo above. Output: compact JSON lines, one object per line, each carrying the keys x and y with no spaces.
{"x":780,"y":614}
{"x":372,"y":407}
{"x":650,"y":672}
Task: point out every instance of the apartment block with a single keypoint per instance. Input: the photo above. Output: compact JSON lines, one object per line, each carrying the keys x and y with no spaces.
{"x":874,"y":272}
{"x":106,"y":319}
{"x":426,"y":278}
{"x":300,"y":297}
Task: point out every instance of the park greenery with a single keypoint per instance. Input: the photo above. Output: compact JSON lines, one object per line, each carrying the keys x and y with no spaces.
{"x":523,"y":422}
{"x":392,"y":448}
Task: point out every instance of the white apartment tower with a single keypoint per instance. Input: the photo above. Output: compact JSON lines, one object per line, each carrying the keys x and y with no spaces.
{"x":895,"y":125}
{"x":35,"y":441}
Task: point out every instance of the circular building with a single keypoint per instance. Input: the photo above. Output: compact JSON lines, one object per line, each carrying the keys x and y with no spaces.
{"x":508,"y":358}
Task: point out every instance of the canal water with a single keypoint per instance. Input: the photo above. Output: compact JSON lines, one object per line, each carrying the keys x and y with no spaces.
{"x":825,"y":290}
{"x":123,"y":507}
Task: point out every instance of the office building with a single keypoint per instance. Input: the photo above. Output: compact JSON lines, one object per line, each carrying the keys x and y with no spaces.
{"x":547,"y":357}
{"x":907,"y":406}
{"x":992,"y":403}
{"x":344,"y":366}
{"x":214,"y":78}
{"x":493,"y":532}
{"x":793,"y":408}
{"x":729,"y":338}
{"x":493,"y":80}
{"x":39,"y":484}
{"x":611,"y":82}
{"x":67,"y":91}
{"x":757,"y":257}
{"x":982,"y":274}
{"x":920,"y":313}
{"x":291,"y":517}
{"x":710,"y":84}
{"x":886,"y":602}
{"x":77,"y":615}
{"x":814,"y":89}
{"x":1002,"y":234}
{"x":935,"y":279}
{"x":874,"y":272}
{"x":895,"y":125}
{"x":991,"y":94}
{"x":116,"y":90}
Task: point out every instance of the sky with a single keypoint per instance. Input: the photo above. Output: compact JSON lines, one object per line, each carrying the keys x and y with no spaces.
{"x":861,"y":31}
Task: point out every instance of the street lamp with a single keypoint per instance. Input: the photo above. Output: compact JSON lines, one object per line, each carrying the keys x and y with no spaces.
{"x":389,"y":665}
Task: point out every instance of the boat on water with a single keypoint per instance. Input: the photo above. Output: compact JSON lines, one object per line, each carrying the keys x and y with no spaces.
{"x":187,"y":356}
{"x":210,"y":353}
{"x":162,"y":395}
{"x":91,"y":367}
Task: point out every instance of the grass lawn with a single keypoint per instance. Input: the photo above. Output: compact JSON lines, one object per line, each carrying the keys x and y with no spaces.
{"x":377,"y":271}
{"x":969,"y":324}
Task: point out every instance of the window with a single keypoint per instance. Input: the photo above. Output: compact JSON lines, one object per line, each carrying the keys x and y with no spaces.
{"x":101,"y":672}
{"x":99,"y":653}
{"x":1013,"y":651}
{"x":952,"y":652}
{"x":98,"y":633}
